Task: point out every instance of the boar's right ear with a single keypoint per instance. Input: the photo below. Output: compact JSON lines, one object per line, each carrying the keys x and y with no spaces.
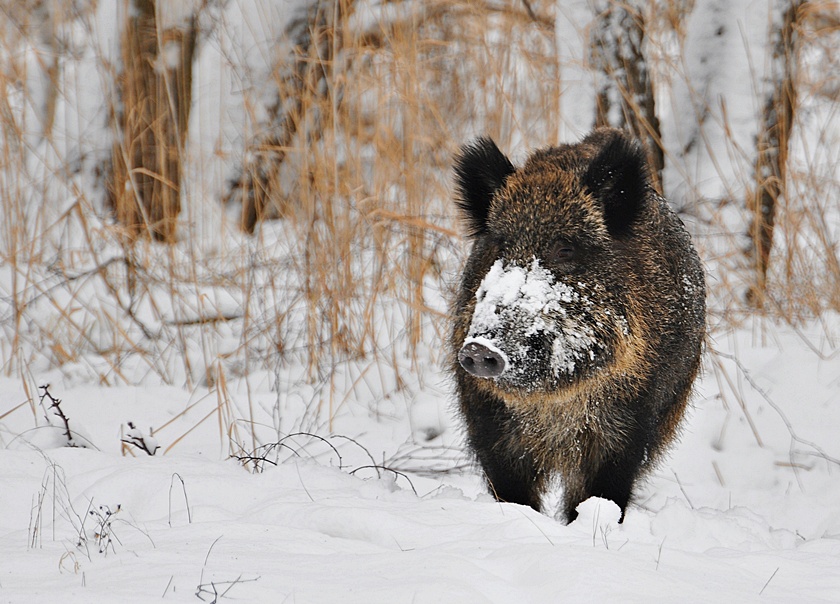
{"x":480,"y":170}
{"x":618,"y":177}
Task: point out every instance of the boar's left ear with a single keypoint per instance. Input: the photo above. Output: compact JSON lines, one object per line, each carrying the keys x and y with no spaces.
{"x":618,"y":177}
{"x":480,"y":170}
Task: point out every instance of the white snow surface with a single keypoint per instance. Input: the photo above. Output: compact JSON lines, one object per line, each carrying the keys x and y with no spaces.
{"x":745,"y":509}
{"x":513,"y":303}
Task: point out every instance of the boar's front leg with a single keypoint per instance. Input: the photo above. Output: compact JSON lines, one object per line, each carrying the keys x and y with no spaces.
{"x":610,"y":478}
{"x":495,"y":437}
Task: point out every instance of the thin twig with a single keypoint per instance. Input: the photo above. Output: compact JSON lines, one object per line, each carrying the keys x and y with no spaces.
{"x":683,"y":490}
{"x":144,"y":443}
{"x":659,"y":554}
{"x":387,"y":469}
{"x":165,"y":589}
{"x":202,"y":588}
{"x":794,"y":437}
{"x":305,"y":490}
{"x":55,"y":404}
{"x":186,"y":500}
{"x":768,"y":580}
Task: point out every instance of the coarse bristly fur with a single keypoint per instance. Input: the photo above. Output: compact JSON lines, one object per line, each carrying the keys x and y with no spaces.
{"x":597,"y":374}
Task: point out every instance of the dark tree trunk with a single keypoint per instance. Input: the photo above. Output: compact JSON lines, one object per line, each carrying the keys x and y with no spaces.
{"x":151,"y":124}
{"x":624,"y":94}
{"x":773,"y":138}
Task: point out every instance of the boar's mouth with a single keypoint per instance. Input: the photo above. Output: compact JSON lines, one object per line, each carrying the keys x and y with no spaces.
{"x":528,"y":329}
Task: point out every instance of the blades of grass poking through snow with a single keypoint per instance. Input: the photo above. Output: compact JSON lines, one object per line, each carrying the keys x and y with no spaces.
{"x":718,"y":473}
{"x":429,"y":461}
{"x":261,"y":454}
{"x":682,"y":490}
{"x":186,"y":410}
{"x":303,"y":484}
{"x":527,"y":516}
{"x":396,"y":474}
{"x":207,"y":556}
{"x":202,"y":588}
{"x":228,"y":428}
{"x":68,"y":562}
{"x":659,"y":552}
{"x":166,"y":589}
{"x":15,"y":408}
{"x":35,"y":529}
{"x":222,"y":410}
{"x":54,"y":486}
{"x":186,"y":500}
{"x":735,"y":390}
{"x":212,"y":588}
{"x":355,"y":442}
{"x":768,"y":580}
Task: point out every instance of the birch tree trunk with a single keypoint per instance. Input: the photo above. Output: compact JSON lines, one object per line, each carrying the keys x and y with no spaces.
{"x":774,"y":134}
{"x":154,"y":93}
{"x":624,"y":96}
{"x":302,"y":90}
{"x":573,"y":23}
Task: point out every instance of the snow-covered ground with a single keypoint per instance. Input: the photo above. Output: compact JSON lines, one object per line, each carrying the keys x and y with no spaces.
{"x":274,"y":482}
{"x":745,"y":509}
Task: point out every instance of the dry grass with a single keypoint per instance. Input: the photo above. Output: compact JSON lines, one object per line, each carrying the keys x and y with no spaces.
{"x":368,"y":145}
{"x":360,"y":178}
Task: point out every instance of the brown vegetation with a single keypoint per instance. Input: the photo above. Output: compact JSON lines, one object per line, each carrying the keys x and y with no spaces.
{"x":354,"y":153}
{"x":151,"y":122}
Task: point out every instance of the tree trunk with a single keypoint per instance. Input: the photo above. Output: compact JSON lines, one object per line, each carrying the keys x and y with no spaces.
{"x":624,"y":91}
{"x":773,"y":137}
{"x":154,"y":92}
{"x":302,"y":87}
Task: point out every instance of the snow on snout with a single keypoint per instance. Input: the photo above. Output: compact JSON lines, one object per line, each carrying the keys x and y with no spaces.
{"x":532,"y":293}
{"x":529,"y":301}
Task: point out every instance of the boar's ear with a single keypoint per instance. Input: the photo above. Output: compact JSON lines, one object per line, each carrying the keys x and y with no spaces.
{"x":618,"y":177}
{"x":480,"y":170}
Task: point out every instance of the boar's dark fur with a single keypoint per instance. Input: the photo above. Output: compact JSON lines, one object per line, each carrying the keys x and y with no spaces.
{"x":588,"y":378}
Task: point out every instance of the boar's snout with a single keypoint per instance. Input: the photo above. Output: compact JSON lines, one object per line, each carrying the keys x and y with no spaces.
{"x":481,"y":361}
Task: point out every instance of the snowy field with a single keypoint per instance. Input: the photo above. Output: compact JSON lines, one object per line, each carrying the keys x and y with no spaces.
{"x":276,"y":482}
{"x":745,"y":509}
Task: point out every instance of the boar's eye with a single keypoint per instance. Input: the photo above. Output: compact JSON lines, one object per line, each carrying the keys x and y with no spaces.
{"x":562,"y":253}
